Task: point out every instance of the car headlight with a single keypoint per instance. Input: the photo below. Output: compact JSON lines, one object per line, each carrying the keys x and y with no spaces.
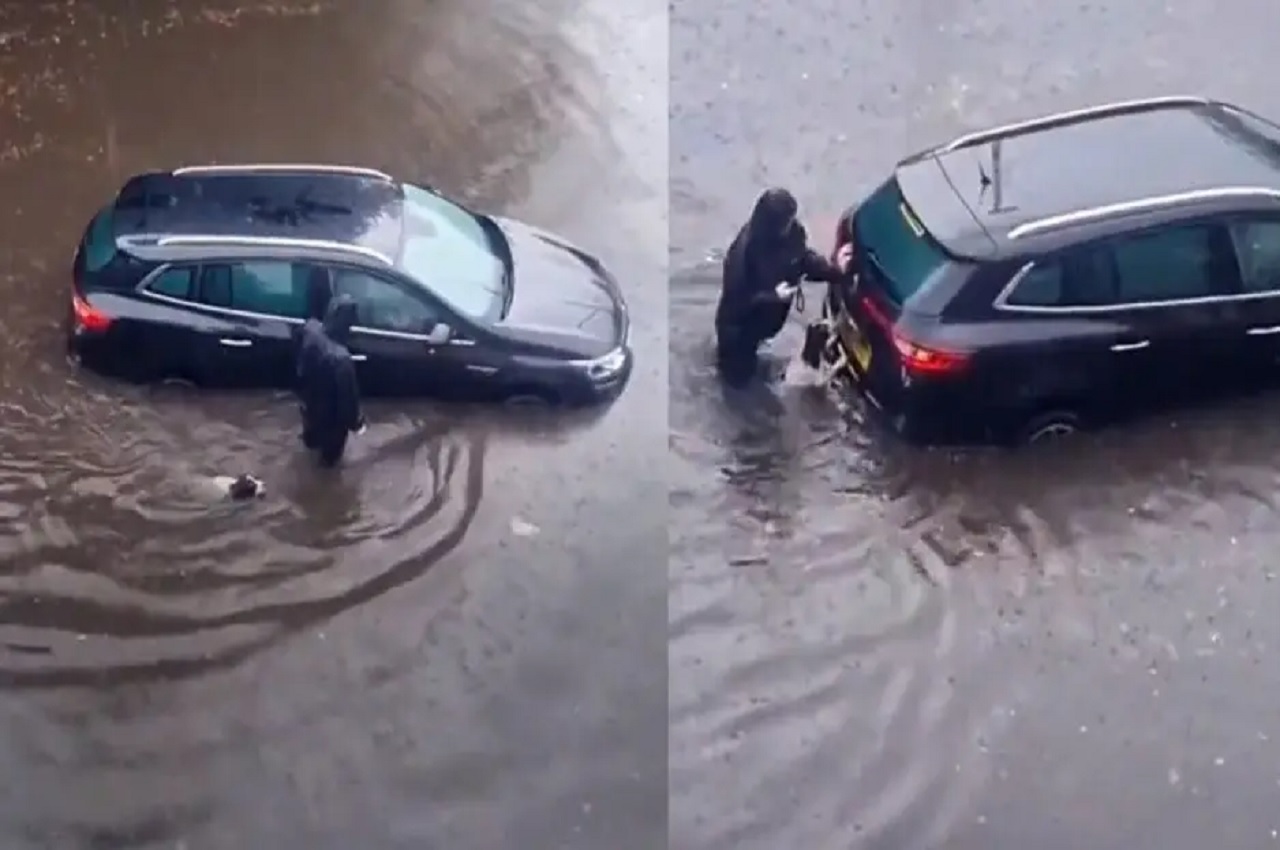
{"x":606,"y":367}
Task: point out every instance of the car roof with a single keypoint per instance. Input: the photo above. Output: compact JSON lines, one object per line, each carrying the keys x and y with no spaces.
{"x":1041,"y":184}
{"x":306,"y":210}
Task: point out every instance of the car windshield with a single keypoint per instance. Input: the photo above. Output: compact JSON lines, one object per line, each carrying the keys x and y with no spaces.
{"x":897,"y":243}
{"x":449,"y":251}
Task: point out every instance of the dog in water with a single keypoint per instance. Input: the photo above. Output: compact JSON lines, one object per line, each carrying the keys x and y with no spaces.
{"x":241,"y":488}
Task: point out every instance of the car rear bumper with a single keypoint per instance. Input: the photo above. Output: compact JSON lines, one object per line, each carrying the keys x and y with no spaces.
{"x":925,"y":412}
{"x":92,"y":349}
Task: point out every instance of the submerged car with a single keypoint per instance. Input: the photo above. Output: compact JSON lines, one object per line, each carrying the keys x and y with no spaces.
{"x":206,"y":274}
{"x":1031,"y":280}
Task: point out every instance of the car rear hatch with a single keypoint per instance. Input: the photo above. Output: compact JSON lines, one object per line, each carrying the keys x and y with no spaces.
{"x":898,"y":260}
{"x":90,"y":268}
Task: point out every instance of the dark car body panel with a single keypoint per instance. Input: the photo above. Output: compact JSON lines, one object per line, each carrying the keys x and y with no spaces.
{"x":984,"y":200}
{"x":564,"y":338}
{"x":1032,"y":175}
{"x":562,"y":286}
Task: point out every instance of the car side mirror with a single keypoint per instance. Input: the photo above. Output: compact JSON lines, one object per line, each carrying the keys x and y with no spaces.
{"x":439,"y":334}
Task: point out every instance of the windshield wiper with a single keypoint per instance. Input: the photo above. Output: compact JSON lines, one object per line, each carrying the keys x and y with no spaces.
{"x":875,"y":260}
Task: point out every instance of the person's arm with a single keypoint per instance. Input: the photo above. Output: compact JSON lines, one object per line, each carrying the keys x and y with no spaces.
{"x":782,"y":292}
{"x":762,"y":294}
{"x":348,"y":394}
{"x":817,"y":267}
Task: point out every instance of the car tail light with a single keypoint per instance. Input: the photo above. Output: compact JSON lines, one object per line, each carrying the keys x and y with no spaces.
{"x":843,"y":234}
{"x":916,"y":359}
{"x":87,"y":316}
{"x":921,"y":360}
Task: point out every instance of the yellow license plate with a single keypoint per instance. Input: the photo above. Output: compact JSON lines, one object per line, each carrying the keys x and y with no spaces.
{"x":862,"y":354}
{"x":856,"y":344}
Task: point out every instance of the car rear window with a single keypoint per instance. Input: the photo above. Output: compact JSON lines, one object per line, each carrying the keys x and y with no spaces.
{"x":100,"y":241}
{"x":896,"y":243}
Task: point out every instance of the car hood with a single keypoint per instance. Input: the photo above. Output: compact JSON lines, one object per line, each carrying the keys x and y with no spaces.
{"x":563,"y":297}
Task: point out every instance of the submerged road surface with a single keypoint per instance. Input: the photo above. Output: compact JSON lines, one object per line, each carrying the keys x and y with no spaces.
{"x":878,"y":648}
{"x":457,"y":642}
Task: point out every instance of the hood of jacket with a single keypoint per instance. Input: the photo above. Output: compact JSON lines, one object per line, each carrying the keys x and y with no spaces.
{"x":771,"y":219}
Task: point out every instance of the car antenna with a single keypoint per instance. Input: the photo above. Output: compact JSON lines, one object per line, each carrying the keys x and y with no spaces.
{"x":997,"y":170}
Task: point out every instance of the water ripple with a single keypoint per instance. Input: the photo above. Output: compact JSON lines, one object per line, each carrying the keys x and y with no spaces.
{"x":190,"y":586}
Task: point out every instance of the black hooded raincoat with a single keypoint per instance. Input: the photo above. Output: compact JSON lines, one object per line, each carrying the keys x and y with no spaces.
{"x":770,"y":249}
{"x":327,"y":388}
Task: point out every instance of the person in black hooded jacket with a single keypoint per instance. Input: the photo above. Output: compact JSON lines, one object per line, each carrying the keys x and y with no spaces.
{"x":327,"y":388}
{"x":762,"y":273}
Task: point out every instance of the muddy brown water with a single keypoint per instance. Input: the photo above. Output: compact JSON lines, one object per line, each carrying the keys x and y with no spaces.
{"x":879,"y":648}
{"x":454,"y":642}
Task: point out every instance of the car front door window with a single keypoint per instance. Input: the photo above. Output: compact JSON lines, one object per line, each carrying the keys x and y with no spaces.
{"x":383,"y":306}
{"x":1169,"y":264}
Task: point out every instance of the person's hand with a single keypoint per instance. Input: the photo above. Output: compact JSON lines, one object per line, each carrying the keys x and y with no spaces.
{"x":844,"y":257}
{"x":786,"y":291}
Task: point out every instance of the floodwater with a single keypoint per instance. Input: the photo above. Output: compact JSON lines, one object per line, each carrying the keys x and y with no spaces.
{"x":453,"y":642}
{"x":873,"y":647}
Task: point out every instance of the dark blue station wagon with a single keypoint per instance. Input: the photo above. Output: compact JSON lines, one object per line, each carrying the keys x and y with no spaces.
{"x":207,"y":273}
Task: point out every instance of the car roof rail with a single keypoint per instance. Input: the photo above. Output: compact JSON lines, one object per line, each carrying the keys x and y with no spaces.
{"x":282,"y":167}
{"x":1157,"y":202}
{"x":211,"y":240}
{"x":1074,"y":116}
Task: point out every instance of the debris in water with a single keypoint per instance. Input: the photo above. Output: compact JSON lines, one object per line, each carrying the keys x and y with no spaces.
{"x":521,"y":528}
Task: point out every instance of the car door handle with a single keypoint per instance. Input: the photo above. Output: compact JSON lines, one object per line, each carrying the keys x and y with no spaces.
{"x":231,"y":342}
{"x":359,"y":358}
{"x":1131,"y":346}
{"x":1268,"y":331}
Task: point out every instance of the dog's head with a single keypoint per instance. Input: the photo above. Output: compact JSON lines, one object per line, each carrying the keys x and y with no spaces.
{"x":244,"y":487}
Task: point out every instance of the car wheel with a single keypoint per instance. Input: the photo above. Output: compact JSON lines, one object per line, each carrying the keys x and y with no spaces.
{"x":1048,"y":427}
{"x":536,"y":397}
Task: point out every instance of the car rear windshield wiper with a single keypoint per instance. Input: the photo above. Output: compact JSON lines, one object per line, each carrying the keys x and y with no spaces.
{"x":875,"y":260}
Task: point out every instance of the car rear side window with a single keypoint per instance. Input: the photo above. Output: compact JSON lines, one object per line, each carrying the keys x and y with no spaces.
{"x":896,"y":243}
{"x":1084,"y":277}
{"x":270,"y":288}
{"x":173,"y":283}
{"x":1165,"y":265}
{"x":215,"y":286}
{"x":1041,"y":286}
{"x":99,"y":247}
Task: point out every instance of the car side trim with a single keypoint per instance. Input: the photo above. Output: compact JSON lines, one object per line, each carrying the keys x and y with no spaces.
{"x":1073,"y":116}
{"x":204,"y":240}
{"x":1001,"y":301}
{"x":144,"y":288}
{"x":282,"y":168}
